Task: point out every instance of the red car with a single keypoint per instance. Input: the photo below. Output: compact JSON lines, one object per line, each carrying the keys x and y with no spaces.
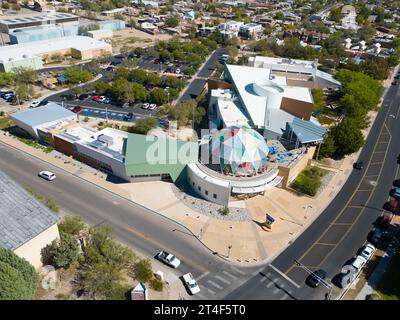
{"x":96,"y":98}
{"x":395,"y":82}
{"x":157,"y":61}
{"x":76,"y":109}
{"x":392,"y":206}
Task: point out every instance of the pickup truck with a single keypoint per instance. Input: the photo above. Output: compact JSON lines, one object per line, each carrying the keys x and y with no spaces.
{"x":169,"y":259}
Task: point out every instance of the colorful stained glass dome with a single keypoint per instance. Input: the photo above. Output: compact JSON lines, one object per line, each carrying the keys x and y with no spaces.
{"x":240,"y":150}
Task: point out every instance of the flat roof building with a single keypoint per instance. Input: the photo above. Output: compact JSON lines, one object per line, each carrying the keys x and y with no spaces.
{"x":8,"y":23}
{"x":30,"y":54}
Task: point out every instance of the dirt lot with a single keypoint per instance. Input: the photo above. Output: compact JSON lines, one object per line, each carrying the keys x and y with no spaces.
{"x":135,"y":38}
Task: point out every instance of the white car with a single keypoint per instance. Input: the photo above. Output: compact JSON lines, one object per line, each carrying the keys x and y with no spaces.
{"x":152,"y":106}
{"x":35,"y":103}
{"x":145,"y":105}
{"x":359,"y":263}
{"x":50,"y":176}
{"x":191,"y":283}
{"x":169,"y":259}
{"x":368,"y":251}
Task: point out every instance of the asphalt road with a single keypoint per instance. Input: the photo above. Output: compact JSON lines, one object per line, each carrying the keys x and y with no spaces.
{"x":336,"y":235}
{"x":137,"y":227}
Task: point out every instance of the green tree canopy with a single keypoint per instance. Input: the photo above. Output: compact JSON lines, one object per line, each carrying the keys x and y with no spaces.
{"x":144,"y":125}
{"x":140,"y":92}
{"x":72,"y":225}
{"x":7,"y":78}
{"x":18,"y":277}
{"x":158,"y":96}
{"x":65,"y":251}
{"x":138,"y":75}
{"x":142,"y":270}
{"x":77,"y":74}
{"x":348,"y":137}
{"x":172,"y":22}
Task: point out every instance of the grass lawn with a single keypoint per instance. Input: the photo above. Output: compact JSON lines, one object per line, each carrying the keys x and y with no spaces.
{"x":389,"y":286}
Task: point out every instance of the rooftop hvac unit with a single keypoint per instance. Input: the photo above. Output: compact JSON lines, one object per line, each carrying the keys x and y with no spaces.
{"x":108,"y":140}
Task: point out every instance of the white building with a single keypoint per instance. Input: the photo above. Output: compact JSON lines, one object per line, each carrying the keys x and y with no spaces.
{"x":349,"y":17}
{"x":35,"y":119}
{"x":254,"y":30}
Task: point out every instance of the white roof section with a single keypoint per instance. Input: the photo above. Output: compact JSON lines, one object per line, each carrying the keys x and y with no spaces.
{"x":231,"y":114}
{"x":25,"y":50}
{"x":49,"y":113}
{"x":77,"y":133}
{"x":115,"y":146}
{"x":271,"y":118}
{"x":283,"y":61}
{"x":36,"y":17}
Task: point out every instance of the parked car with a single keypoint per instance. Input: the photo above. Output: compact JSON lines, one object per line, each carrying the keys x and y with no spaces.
{"x":358,"y":165}
{"x":314,"y":279}
{"x":383,"y":221}
{"x":169,"y":259}
{"x":376,"y":236}
{"x":3,"y":94}
{"x":35,"y":104}
{"x":178,"y":70}
{"x":50,"y":176}
{"x":96,"y":98}
{"x":191,"y":283}
{"x":367,"y":251}
{"x":76,"y":109}
{"x":83,"y":96}
{"x":157,"y":61}
{"x":152,"y":106}
{"x":128,"y":117}
{"x":145,"y":105}
{"x":396,"y":183}
{"x":395,"y":82}
{"x":68,"y":97}
{"x":395,"y":193}
{"x":391,"y":206}
{"x":359,"y":263}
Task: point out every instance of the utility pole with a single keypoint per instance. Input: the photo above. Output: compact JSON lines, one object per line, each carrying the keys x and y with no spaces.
{"x":328,"y":295}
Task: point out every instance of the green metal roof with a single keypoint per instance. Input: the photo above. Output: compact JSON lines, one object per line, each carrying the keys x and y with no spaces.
{"x":146,"y":154}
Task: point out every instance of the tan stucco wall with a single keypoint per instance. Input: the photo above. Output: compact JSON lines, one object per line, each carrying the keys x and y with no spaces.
{"x":31,"y":250}
{"x":290,"y":173}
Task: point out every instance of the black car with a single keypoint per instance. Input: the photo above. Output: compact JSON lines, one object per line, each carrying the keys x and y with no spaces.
{"x":83,"y":96}
{"x":128,"y":117}
{"x":68,"y":97}
{"x":396,"y":183}
{"x":358,"y":165}
{"x":314,"y":279}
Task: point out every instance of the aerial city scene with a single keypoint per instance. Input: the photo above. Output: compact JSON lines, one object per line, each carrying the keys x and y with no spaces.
{"x":199,"y":150}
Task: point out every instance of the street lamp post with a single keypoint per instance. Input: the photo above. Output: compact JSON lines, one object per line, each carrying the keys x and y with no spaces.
{"x":229,"y":250}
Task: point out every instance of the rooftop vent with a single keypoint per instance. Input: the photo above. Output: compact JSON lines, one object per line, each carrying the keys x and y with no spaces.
{"x":108,"y":140}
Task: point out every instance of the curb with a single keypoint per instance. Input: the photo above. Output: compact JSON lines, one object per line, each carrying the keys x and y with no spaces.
{"x":116,"y":194}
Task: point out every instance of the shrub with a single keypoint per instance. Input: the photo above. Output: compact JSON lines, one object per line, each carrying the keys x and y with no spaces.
{"x":64,"y":252}
{"x":142,"y":270}
{"x":18,"y":277}
{"x":71,"y":225}
{"x":156,"y":284}
{"x":224,"y":210}
{"x":309,"y":180}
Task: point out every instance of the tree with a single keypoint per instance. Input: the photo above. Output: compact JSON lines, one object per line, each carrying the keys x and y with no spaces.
{"x":189,"y":71}
{"x":336,"y":14}
{"x":172,"y":22}
{"x":142,"y":270}
{"x":153,"y":80}
{"x":140,"y":92}
{"x":279,"y":16}
{"x":138,"y":51}
{"x":328,"y":147}
{"x":178,"y":55}
{"x":158,"y":96}
{"x":12,"y":284}
{"x":121,"y":72}
{"x":156,"y":284}
{"x":7,"y":78}
{"x":103,"y":87}
{"x":174,"y":82}
{"x":318,"y":97}
{"x":77,"y":74}
{"x":122,"y":90}
{"x":71,"y":225}
{"x":144,"y":125}
{"x":165,"y":55}
{"x":138,"y":75}
{"x":65,"y":251}
{"x":18,"y":277}
{"x":348,"y":137}
{"x":25,"y":75}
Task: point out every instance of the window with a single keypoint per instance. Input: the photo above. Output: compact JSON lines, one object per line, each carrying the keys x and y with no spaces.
{"x":215,"y":196}
{"x":193,"y":184}
{"x":199,"y":188}
{"x":206,"y":192}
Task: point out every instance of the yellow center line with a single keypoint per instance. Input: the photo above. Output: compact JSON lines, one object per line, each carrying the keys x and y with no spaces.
{"x":350,"y":199}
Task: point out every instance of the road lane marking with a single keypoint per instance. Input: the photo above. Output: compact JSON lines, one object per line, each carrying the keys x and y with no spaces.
{"x":263,"y":279}
{"x":201,"y":296}
{"x":222,"y":279}
{"x":269,"y":284}
{"x":284,"y":276}
{"x":326,"y":244}
{"x":203,"y":275}
{"x":237,"y":270}
{"x":229,"y":275}
{"x":214,"y":284}
{"x":211,"y":291}
{"x":285,"y":296}
{"x":276,"y":290}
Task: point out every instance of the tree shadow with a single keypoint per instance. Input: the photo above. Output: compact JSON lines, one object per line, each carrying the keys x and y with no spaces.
{"x":261,"y":225}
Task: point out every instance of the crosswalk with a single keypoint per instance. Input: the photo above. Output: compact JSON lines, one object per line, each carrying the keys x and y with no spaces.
{"x":214,"y":285}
